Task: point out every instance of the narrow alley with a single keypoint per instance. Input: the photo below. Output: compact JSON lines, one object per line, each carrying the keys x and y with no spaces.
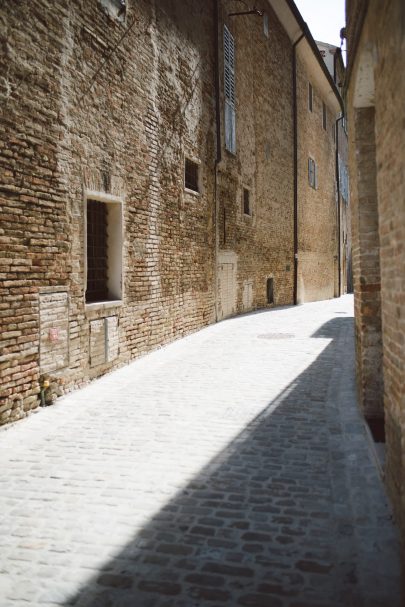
{"x":229,"y":468}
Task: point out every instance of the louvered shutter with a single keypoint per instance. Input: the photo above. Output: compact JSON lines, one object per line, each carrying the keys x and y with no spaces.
{"x":311,"y":176}
{"x":229,"y":84}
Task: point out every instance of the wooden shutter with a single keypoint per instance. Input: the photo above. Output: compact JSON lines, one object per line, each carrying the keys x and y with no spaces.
{"x":311,"y":179}
{"x":229,"y":85}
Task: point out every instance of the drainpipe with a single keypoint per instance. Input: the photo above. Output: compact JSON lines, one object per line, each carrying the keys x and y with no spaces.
{"x":338,"y":205}
{"x":218,"y":145}
{"x":295,"y":128}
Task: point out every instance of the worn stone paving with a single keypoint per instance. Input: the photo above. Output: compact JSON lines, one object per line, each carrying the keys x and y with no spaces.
{"x":229,"y":468}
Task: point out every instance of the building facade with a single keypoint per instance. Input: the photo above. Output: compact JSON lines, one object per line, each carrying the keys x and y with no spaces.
{"x":332,"y":55}
{"x":376,"y":114}
{"x":151,"y":180}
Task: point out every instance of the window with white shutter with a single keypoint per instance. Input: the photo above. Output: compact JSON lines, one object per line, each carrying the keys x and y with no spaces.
{"x":312,"y":173}
{"x":229,"y":83}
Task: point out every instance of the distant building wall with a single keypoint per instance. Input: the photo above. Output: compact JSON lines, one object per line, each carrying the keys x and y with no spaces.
{"x":317,"y":208}
{"x":261,"y":240}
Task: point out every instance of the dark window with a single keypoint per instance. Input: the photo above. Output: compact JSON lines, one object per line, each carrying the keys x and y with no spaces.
{"x":191,"y":175}
{"x":270,"y":291}
{"x":310,"y":96}
{"x":324,"y":116}
{"x":246,"y":202}
{"x":97,"y":252}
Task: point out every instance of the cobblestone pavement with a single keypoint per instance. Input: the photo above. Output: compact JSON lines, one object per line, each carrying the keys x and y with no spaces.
{"x":230,"y":468}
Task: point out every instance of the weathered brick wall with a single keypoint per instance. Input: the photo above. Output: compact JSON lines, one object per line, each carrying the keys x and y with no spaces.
{"x":384,"y":36}
{"x":389,"y":24}
{"x":366,"y":263}
{"x":317,"y":246}
{"x":96,"y":107}
{"x":34,"y":232}
{"x":126,"y":135}
{"x":261,"y":245}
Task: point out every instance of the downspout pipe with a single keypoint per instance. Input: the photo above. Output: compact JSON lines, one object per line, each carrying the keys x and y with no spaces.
{"x":218,"y":145}
{"x":339,"y":244}
{"x":295,"y":130}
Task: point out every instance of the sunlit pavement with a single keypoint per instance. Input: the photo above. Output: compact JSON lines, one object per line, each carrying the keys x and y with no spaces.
{"x":229,"y":468}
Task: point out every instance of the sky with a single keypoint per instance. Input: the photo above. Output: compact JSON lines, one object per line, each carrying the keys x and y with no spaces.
{"x":325,"y":18}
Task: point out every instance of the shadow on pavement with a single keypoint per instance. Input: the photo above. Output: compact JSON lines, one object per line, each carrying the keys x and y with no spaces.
{"x":271,"y":520}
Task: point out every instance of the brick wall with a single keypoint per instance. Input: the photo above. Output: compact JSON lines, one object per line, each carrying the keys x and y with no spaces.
{"x":383,"y":37}
{"x":100,"y":108}
{"x":317,"y":247}
{"x":62,"y":137}
{"x":260,"y":246}
{"x":389,"y":23}
{"x":366,"y":263}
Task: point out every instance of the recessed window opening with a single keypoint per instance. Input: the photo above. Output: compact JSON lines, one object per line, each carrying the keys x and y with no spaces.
{"x":191,"y":175}
{"x":246,"y":202}
{"x":103,"y":251}
{"x":324,"y":115}
{"x":310,"y":97}
{"x":270,"y":291}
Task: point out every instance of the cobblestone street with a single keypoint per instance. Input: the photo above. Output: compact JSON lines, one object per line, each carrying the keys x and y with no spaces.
{"x":229,"y":468}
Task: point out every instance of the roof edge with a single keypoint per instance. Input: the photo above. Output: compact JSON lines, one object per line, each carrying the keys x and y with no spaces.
{"x":314,"y":48}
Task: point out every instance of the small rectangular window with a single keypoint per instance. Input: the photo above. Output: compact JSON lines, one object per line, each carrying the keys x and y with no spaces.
{"x":270,"y":291}
{"x":191,"y":170}
{"x":324,"y":115}
{"x":310,"y":97}
{"x":97,"y":252}
{"x":312,"y":173}
{"x":246,"y":202}
{"x":103,"y":251}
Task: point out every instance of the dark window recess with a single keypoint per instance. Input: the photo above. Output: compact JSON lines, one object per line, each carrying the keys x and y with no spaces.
{"x":97,"y":252}
{"x":270,"y":291}
{"x":324,"y":116}
{"x":191,"y":175}
{"x":377,"y":428}
{"x":246,"y":202}
{"x":310,"y":97}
